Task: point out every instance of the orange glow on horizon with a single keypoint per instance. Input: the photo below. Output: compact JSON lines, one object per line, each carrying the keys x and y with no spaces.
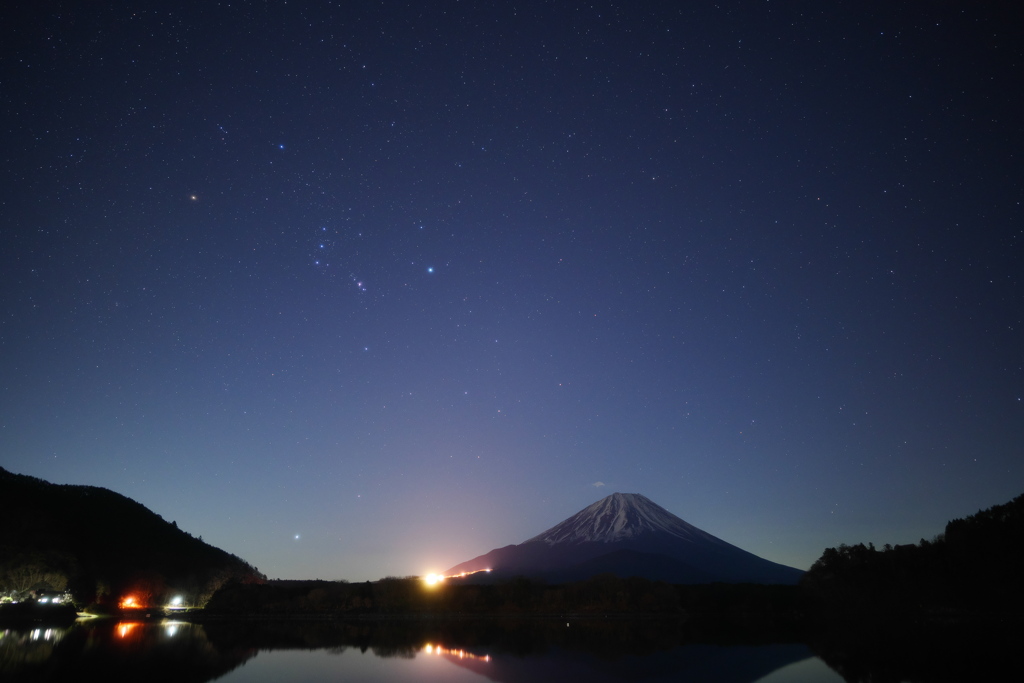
{"x":434,"y":579}
{"x":129,"y":602}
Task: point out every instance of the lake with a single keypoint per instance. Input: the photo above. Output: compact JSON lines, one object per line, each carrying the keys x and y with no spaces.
{"x":532,"y":651}
{"x":112,"y":650}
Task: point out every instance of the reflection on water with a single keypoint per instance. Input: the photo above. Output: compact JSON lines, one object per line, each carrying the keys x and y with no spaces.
{"x":27,"y":648}
{"x":692,"y":662}
{"x":504,"y":651}
{"x":535,"y":651}
{"x":810,"y":670}
{"x":460,"y":654}
{"x":107,"y":649}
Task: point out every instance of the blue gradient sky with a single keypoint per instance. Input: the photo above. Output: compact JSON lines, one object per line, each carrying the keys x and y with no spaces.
{"x":360,"y":289}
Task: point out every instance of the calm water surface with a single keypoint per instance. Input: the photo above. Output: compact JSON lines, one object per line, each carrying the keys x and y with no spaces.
{"x":110,"y":650}
{"x":321,"y":665}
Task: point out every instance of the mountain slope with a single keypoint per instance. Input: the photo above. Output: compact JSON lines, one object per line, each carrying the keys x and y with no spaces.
{"x":629,"y":535}
{"x":99,"y":543}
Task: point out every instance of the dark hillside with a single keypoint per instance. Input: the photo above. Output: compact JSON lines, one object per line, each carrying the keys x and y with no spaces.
{"x":101,"y":546}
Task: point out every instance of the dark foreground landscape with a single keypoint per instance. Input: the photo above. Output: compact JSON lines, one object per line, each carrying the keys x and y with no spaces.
{"x":602,"y":629}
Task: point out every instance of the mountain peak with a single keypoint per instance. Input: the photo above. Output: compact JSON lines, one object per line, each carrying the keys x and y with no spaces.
{"x":629,"y":535}
{"x":619,"y":517}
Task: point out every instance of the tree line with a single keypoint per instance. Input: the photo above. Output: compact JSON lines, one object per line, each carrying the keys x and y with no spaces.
{"x":973,"y":567}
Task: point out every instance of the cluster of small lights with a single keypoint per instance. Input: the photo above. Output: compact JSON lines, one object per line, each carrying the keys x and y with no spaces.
{"x":461,"y":654}
{"x":131,"y":602}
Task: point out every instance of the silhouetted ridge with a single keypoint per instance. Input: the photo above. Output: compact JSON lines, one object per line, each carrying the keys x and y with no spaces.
{"x":101,"y":545}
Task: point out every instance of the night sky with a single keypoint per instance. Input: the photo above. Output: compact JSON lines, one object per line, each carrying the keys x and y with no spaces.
{"x":359,"y":289}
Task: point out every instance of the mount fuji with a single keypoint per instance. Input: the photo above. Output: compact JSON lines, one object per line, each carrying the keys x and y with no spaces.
{"x":627,"y":534}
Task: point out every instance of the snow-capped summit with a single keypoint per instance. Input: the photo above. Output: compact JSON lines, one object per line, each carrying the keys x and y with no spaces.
{"x":620,"y":517}
{"x":629,"y":535}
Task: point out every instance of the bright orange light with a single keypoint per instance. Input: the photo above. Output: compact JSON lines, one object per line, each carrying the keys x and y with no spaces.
{"x":433,"y":579}
{"x":129,"y":602}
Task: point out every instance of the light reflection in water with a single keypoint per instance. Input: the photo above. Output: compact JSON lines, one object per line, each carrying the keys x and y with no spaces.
{"x":126,"y":629}
{"x":45,"y":634}
{"x":156,"y":648}
{"x":461,"y":654}
{"x":810,"y":670}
